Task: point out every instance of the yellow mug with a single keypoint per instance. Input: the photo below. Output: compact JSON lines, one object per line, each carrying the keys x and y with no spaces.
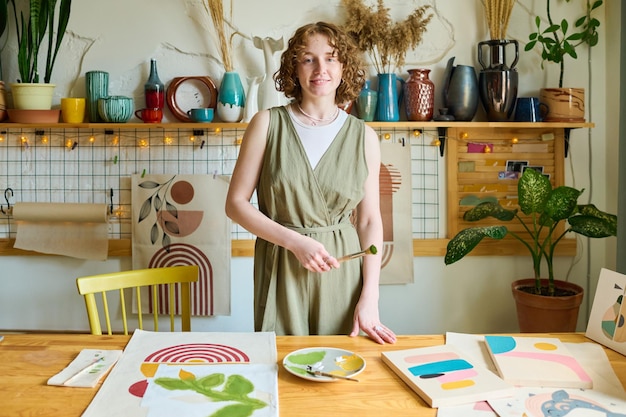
{"x":72,"y":110}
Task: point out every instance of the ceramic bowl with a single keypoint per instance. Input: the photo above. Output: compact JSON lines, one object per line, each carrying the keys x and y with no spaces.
{"x":115,"y":109}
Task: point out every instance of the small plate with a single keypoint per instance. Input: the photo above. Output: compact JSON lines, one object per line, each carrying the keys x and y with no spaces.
{"x":330,"y":360}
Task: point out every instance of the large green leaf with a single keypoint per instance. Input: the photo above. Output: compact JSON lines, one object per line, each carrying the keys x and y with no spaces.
{"x":467,"y":239}
{"x":488,"y":209}
{"x":562,"y":203}
{"x":591,"y":226}
{"x":533,"y":191}
{"x":610,"y":219}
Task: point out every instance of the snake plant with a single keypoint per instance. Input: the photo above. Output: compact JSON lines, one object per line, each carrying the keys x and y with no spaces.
{"x":32,"y":29}
{"x":544,"y":208}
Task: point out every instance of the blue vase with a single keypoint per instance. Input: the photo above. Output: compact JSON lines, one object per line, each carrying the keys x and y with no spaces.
{"x":366,"y":103}
{"x":97,"y":87}
{"x":231,"y":99}
{"x":388,"y":106}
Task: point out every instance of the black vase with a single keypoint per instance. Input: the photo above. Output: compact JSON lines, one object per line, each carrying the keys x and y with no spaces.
{"x":498,"y":81}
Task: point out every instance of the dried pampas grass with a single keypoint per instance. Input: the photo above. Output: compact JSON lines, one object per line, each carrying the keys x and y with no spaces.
{"x":498,"y":13}
{"x":384,"y":41}
{"x":216,"y":10}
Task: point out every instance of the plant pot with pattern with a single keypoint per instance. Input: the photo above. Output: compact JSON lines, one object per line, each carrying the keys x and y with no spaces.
{"x":558,"y":40}
{"x":547,"y":215}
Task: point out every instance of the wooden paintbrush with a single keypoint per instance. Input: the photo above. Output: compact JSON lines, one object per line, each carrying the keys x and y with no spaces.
{"x":310,"y":371}
{"x":369,"y":251}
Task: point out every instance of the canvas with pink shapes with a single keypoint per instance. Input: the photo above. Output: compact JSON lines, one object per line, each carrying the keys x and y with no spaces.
{"x":442,"y":376}
{"x":536,"y":362}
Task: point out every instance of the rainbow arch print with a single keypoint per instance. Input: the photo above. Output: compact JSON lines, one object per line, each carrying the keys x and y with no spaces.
{"x":198,"y":352}
{"x":202,"y":292}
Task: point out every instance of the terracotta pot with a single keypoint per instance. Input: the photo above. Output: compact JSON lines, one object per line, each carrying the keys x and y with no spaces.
{"x":543,"y":314}
{"x":563,"y":104}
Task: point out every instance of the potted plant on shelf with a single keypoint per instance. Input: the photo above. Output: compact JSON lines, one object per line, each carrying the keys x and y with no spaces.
{"x":33,"y":26}
{"x":558,"y":40}
{"x":545,"y":211}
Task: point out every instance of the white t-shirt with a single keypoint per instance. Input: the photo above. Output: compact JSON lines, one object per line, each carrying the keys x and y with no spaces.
{"x":316,"y":139}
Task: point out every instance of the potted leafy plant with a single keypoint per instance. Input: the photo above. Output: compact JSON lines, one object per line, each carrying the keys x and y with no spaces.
{"x":558,"y":40}
{"x":544,"y":211}
{"x":32,"y":27}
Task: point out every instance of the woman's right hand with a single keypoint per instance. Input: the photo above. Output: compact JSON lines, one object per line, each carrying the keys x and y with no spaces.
{"x":313,"y":256}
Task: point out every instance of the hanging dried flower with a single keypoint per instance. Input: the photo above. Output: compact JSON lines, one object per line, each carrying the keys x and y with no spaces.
{"x":384,"y":41}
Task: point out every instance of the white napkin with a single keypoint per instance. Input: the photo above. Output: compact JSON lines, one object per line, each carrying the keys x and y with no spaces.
{"x":87,"y":369}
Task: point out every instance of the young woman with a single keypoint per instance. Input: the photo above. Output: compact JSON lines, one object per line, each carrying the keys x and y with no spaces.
{"x":315,"y":171}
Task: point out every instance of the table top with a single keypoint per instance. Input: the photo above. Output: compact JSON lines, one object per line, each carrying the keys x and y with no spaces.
{"x":28,"y":360}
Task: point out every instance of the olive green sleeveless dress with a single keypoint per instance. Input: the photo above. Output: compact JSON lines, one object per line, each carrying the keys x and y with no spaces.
{"x":289,"y":299}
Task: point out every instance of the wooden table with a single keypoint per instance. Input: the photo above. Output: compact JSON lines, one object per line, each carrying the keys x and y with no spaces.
{"x":28,"y":360}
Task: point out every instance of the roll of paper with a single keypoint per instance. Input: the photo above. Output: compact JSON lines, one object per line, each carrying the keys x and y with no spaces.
{"x":79,"y":230}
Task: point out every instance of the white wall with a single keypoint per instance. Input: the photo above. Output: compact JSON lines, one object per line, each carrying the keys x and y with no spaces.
{"x":470,"y":296}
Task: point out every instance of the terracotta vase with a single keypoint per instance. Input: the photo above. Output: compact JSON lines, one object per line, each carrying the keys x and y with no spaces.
{"x":419,"y":95}
{"x":563,"y":104}
{"x":543,"y":314}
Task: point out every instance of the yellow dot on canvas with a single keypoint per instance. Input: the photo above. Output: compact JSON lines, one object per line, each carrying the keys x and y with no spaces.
{"x":545,"y":346}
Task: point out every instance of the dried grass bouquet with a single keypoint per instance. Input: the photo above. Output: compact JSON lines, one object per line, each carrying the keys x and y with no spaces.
{"x":216,"y":10}
{"x":498,"y":14}
{"x":384,"y":41}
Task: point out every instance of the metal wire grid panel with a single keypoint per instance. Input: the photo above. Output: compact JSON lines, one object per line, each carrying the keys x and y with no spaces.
{"x":88,"y":165}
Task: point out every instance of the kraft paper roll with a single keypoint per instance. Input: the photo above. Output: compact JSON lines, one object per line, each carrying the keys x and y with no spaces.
{"x":78,"y":230}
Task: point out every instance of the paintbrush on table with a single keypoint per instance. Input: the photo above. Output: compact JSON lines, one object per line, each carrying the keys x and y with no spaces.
{"x":310,"y":371}
{"x":369,"y":251}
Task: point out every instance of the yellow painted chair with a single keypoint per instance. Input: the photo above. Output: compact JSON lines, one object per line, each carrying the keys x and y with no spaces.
{"x":101,"y":284}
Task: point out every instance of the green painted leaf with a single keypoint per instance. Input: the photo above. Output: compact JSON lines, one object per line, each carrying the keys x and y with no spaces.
{"x":234,"y":410}
{"x":211,"y":381}
{"x":307,"y":358}
{"x":172,"y":383}
{"x":238,"y":385}
{"x":149,"y":184}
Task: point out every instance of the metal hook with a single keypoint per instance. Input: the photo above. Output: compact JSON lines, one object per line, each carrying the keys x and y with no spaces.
{"x":6,"y":198}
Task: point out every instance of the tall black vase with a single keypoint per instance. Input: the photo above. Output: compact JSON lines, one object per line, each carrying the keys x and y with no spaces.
{"x":497,"y":81}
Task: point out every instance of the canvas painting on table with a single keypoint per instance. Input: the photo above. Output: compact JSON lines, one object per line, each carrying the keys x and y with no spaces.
{"x":536,"y":361}
{"x":192,"y":372}
{"x":442,"y":376}
{"x":606,"y":322}
{"x":180,"y":220}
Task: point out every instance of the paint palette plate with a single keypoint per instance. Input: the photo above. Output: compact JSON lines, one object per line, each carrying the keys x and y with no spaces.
{"x":330,"y":360}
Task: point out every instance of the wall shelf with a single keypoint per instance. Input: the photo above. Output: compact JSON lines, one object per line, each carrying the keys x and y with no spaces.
{"x":448,"y":133}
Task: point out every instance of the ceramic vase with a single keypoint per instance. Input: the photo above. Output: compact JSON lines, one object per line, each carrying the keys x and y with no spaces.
{"x":268,"y":96}
{"x":388,"y":106}
{"x":154,"y":89}
{"x":97,"y":87}
{"x":498,"y":80}
{"x":252,"y":98}
{"x":419,"y":95}
{"x":460,"y":91}
{"x":366,"y":103}
{"x":231,"y":99}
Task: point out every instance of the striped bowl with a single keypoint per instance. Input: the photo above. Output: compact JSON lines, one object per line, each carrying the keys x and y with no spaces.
{"x":115,"y":109}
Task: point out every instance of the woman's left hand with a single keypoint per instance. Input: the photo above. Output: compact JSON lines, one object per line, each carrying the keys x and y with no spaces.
{"x":366,"y":319}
